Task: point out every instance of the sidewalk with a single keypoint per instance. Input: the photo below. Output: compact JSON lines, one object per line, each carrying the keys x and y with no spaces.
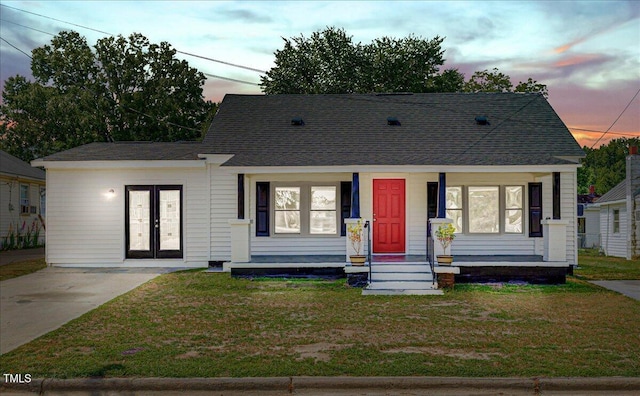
{"x":330,"y":386}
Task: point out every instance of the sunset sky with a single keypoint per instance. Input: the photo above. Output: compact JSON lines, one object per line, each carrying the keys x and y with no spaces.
{"x":586,"y":52}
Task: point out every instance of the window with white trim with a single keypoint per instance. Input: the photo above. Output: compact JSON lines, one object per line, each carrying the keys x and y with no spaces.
{"x":287,"y":210}
{"x":486,"y":209}
{"x":513,"y":209}
{"x":24,"y":198}
{"x":616,"y":221}
{"x":305,"y":209}
{"x":454,"y":207}
{"x":323,"y":213}
{"x":43,"y":201}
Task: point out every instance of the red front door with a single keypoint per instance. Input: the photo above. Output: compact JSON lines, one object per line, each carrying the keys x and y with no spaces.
{"x":388,"y":216}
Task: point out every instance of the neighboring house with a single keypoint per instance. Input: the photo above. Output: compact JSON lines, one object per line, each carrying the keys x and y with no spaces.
{"x":22,"y":199}
{"x":277,"y":175}
{"x":619,"y":213}
{"x":588,"y":220}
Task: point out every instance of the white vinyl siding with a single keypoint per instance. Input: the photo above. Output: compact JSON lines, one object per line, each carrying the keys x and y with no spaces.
{"x":86,"y":226}
{"x":10,"y":198}
{"x":613,"y":243}
{"x":307,"y":244}
{"x":224,"y":204}
{"x":569,"y":211}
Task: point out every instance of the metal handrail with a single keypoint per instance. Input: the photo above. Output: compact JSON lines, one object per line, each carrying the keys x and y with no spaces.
{"x":430,"y":251}
{"x":367,"y":225}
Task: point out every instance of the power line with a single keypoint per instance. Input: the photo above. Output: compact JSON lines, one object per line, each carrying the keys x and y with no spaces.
{"x":57,"y":20}
{"x":111,"y":34}
{"x":231,"y":79}
{"x":27,"y":27}
{"x":223,"y":62}
{"x":3,"y":39}
{"x":616,"y":120}
{"x":611,"y":133}
{"x":500,"y":123}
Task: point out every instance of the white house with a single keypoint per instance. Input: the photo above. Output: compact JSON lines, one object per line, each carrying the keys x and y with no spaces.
{"x":277,"y":175}
{"x":22,"y":201}
{"x":619,"y":213}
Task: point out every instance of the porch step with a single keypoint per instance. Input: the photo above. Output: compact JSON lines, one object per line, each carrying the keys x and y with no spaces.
{"x":404,"y":267}
{"x":404,"y":292}
{"x":401,"y":285}
{"x":401,"y":279}
{"x":401,"y":276}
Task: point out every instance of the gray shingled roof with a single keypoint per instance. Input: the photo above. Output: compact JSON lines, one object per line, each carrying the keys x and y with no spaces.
{"x":618,"y":193}
{"x":142,"y":151}
{"x":12,"y":166}
{"x":351,"y":129}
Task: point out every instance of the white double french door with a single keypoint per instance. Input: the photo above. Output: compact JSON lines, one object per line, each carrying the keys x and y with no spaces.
{"x":153,"y":221}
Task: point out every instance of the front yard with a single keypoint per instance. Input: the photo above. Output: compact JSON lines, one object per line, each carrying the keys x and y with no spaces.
{"x":194,"y":324}
{"x":593,"y":266}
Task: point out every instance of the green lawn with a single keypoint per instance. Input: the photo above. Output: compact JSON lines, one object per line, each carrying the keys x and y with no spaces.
{"x":13,"y":270}
{"x":194,"y":324}
{"x":592,"y":266}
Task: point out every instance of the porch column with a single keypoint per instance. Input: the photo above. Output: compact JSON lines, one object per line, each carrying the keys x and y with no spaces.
{"x":355,"y":196}
{"x":555,"y":240}
{"x":442,"y":196}
{"x":435,"y":224}
{"x":350,"y":249}
{"x":240,"y":240}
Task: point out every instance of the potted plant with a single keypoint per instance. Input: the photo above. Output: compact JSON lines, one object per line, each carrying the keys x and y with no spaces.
{"x":445,"y":235}
{"x":354,"y":232}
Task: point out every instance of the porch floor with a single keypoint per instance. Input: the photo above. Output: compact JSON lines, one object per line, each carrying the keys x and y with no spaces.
{"x":389,"y":258}
{"x":326,"y":258}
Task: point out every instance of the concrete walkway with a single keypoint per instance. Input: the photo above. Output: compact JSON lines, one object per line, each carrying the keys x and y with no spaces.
{"x":630,"y":288}
{"x":35,"y":304}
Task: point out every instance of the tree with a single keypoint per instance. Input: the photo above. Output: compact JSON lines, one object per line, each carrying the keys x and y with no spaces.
{"x":488,"y":81}
{"x":495,"y":81}
{"x":330,"y":62}
{"x":402,"y":65}
{"x":605,"y":167}
{"x":326,"y":62}
{"x":124,"y":89}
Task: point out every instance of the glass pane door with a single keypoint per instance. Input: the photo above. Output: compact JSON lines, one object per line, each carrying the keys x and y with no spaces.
{"x":139,"y":222}
{"x":154,"y":221}
{"x":169,"y":221}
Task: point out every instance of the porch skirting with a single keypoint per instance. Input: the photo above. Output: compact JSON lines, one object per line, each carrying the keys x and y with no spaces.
{"x":542,"y":274}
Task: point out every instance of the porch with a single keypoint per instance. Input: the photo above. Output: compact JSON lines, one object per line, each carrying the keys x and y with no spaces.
{"x":406,"y":268}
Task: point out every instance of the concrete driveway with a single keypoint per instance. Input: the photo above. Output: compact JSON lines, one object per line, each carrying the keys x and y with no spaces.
{"x":35,"y":304}
{"x":630,"y":288}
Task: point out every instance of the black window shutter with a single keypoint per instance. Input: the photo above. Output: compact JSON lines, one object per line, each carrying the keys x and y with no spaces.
{"x":262,"y":208}
{"x":556,"y":195}
{"x":535,"y":210}
{"x":345,"y":205}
